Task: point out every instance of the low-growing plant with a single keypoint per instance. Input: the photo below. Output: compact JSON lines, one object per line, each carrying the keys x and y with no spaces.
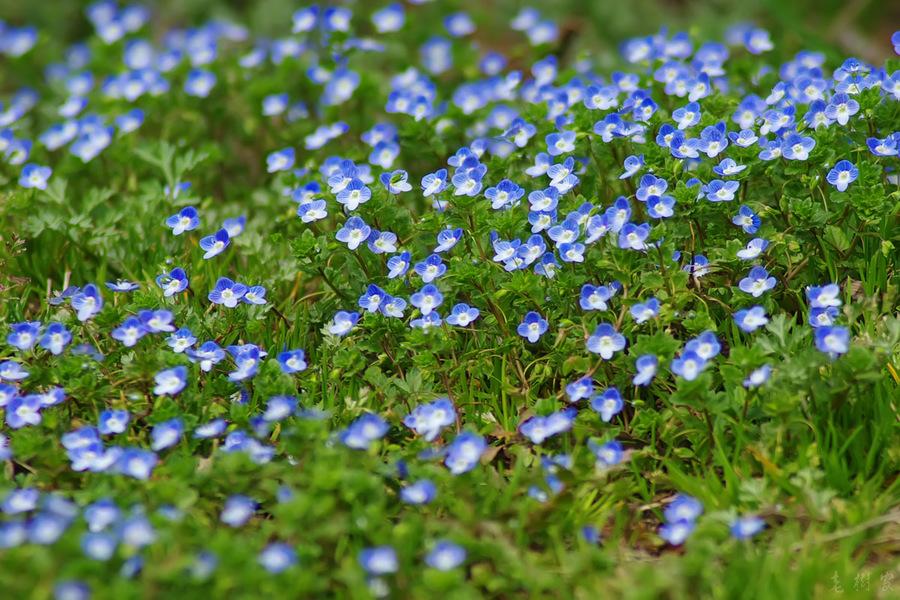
{"x":374,"y":309}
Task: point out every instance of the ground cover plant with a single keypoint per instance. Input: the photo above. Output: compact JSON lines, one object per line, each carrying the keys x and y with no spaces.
{"x":379,"y":308}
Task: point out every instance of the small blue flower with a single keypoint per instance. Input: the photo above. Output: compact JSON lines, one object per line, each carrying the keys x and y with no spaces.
{"x":609,"y":403}
{"x":464,"y":452}
{"x":113,"y":422}
{"x":398,"y":265}
{"x":749,"y":320}
{"x":277,"y":557}
{"x":24,"y":335}
{"x":420,"y":492}
{"x":560,"y":143}
{"x":744,"y":528}
{"x":754,"y":248}
{"x":427,"y":299}
{"x":187,"y":219}
{"x":237,"y":510}
{"x":343,"y":322}
{"x":395,"y":182}
{"x":429,"y":419}
{"x":55,"y":338}
{"x":448,"y":238}
{"x":215,"y":244}
{"x":661,"y":207}
{"x":292,"y":361}
{"x":677,"y":532}
{"x":689,"y":365}
{"x":181,"y":340}
{"x":34,"y":176}
{"x":840,"y":108}
{"x":595,"y":297}
{"x":797,"y":147}
{"x":446,"y":556}
{"x":227,"y":292}
{"x":380,"y":560}
{"x":832,"y":340}
{"x":537,"y":429}
{"x":758,"y":377}
{"x":580,"y":389}
{"x":170,"y":381}
{"x":746,"y":219}
{"x":462,"y":315}
{"x":137,"y":463}
{"x":166,"y":434}
{"x":122,"y":286}
{"x":173,"y":282}
{"x":504,"y":194}
{"x":199,"y":83}
{"x":10,"y":370}
{"x":434,"y":183}
{"x":354,"y":193}
{"x":646,"y":366}
{"x":360,"y":434}
{"x":643,"y":312}
{"x":633,"y":236}
{"x":157,"y":321}
{"x":720,"y":191}
{"x":208,"y":355}
{"x":607,"y":455}
{"x":87,"y":302}
{"x":683,"y":508}
{"x":532,"y":327}
{"x":255,"y":294}
{"x":431,"y":268}
{"x":353,"y":233}
{"x":842,"y":175}
{"x":687,"y":116}
{"x":757,"y":282}
{"x":606,"y":341}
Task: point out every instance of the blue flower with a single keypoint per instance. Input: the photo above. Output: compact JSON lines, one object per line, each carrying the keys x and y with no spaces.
{"x":683,"y":508}
{"x":420,"y":492}
{"x":389,"y":19}
{"x":237,"y":510}
{"x":754,"y":248}
{"x":255,"y":294}
{"x":227,"y":292}
{"x":687,"y":116}
{"x":749,"y":320}
{"x":173,"y":282}
{"x":170,"y":381}
{"x":360,"y":434}
{"x":445,"y":556}
{"x":609,"y":403}
{"x":35,"y":176}
{"x":20,"y":501}
{"x":398,"y":265}
{"x":396,"y":182}
{"x":434,"y":183}
{"x":214,"y":428}
{"x":537,"y":429}
{"x":353,"y":233}
{"x":713,"y":140}
{"x":841,"y":108}
{"x":689,"y":365}
{"x":24,"y":335}
{"x":560,"y":143}
{"x":277,"y":557}
{"x":797,"y":147}
{"x":380,"y":560}
{"x":71,"y":590}
{"x":746,"y":219}
{"x":705,"y":345}
{"x":234,"y":226}
{"x":208,"y":354}
{"x":137,"y":463}
{"x":646,"y":366}
{"x":122,"y":285}
{"x":532,"y":327}
{"x":427,"y":299}
{"x":112,"y":422}
{"x":166,"y":434}
{"x":643,"y":312}
{"x":462,"y":315}
{"x":677,"y":532}
{"x":187,"y":219}
{"x":464,"y":452}
{"x":354,"y":194}
{"x":431,"y":268}
{"x":156,"y":321}
{"x":199,"y":83}
{"x":607,"y":455}
{"x":633,"y":236}
{"x":832,"y":340}
{"x":595,"y":297}
{"x":181,"y":340}
{"x":758,"y":377}
{"x":292,"y":361}
{"x":312,"y":211}
{"x":842,"y":175}
{"x":343,"y":322}
{"x":429,"y":419}
{"x":744,"y":528}
{"x":606,"y":341}
{"x":660,"y":207}
{"x":10,"y":370}
{"x":757,"y":282}
{"x":720,"y":191}
{"x":504,"y":194}
{"x":87,"y":302}
{"x":580,"y":389}
{"x":215,"y":244}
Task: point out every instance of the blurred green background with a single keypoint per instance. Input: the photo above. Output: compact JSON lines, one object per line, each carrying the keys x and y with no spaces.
{"x":852,"y":27}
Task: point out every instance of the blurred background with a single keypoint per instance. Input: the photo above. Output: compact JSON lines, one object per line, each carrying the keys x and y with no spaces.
{"x":860,"y":28}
